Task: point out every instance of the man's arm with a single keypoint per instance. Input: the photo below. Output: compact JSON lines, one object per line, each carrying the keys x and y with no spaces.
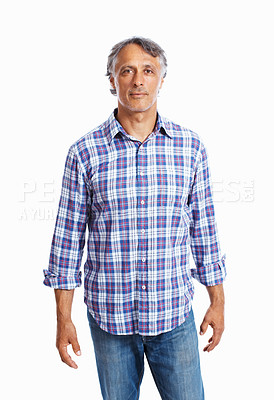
{"x":210,"y":264}
{"x":66,"y":332}
{"x":67,"y":247}
{"x":214,"y":316}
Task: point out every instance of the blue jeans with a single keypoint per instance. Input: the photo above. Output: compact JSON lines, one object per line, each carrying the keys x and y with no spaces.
{"x":173,"y":358}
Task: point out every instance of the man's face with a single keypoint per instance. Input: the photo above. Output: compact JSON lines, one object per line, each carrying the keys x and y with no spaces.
{"x":137,"y":79}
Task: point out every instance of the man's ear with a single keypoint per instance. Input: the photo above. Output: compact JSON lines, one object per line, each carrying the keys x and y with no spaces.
{"x":111,"y":79}
{"x":161,"y":84}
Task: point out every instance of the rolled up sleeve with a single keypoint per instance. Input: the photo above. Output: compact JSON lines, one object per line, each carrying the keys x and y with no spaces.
{"x":210,"y":263}
{"x":69,"y":235}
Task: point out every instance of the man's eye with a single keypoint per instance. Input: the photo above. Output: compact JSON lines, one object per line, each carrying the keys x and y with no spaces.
{"x":127,"y":71}
{"x":149,"y":71}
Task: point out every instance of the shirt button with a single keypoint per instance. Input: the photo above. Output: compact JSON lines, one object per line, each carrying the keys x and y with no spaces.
{"x":143,"y":230}
{"x":144,"y":287}
{"x":141,"y":173}
{"x":142,"y":202}
{"x":143,"y":259}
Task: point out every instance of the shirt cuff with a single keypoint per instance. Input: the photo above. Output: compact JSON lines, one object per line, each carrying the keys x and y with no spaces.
{"x":62,"y":282}
{"x":211,"y":275}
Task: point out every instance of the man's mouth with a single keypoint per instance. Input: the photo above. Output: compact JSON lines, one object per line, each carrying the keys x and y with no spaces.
{"x":138,"y":94}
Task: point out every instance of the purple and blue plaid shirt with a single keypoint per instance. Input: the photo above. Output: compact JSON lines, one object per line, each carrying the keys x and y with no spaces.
{"x":146,"y":206}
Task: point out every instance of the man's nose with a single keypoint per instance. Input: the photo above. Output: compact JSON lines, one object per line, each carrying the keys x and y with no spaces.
{"x":138,"y":79}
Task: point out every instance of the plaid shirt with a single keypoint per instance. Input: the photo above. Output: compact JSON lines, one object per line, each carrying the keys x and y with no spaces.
{"x":146,"y":205}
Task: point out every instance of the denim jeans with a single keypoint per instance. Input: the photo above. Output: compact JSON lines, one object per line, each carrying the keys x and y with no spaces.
{"x":173,"y":358}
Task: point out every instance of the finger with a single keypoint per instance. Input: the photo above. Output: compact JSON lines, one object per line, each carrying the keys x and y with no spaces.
{"x":76,"y":347}
{"x":66,"y":358}
{"x":207,"y":347}
{"x":203,"y":327}
{"x":214,"y":340}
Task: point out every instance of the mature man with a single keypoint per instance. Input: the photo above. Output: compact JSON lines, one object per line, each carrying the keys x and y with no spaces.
{"x":141,"y":184}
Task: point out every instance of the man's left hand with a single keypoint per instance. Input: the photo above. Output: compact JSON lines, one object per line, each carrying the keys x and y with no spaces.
{"x":215,"y":318}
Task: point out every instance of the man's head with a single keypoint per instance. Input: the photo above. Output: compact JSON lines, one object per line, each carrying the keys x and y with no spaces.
{"x":136,"y":69}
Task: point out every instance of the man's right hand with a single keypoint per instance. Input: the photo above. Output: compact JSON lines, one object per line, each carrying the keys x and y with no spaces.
{"x":66,"y":335}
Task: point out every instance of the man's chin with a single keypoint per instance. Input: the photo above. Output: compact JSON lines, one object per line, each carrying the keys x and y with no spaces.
{"x":139,"y":108}
{"x":136,"y":107}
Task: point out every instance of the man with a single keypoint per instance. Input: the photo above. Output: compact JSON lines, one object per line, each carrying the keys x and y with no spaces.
{"x":141,"y":184}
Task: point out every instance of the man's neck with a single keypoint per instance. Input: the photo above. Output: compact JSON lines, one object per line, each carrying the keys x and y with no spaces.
{"x":137,"y":124}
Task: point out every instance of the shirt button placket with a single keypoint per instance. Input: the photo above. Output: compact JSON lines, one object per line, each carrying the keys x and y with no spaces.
{"x":142,"y":223}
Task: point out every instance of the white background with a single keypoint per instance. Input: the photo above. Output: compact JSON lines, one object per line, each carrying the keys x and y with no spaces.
{"x":53,"y":91}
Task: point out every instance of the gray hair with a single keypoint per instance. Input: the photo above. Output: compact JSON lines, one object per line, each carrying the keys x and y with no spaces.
{"x":148,"y":46}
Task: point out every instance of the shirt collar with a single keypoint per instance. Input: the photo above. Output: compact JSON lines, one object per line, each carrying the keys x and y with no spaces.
{"x":113,"y":126}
